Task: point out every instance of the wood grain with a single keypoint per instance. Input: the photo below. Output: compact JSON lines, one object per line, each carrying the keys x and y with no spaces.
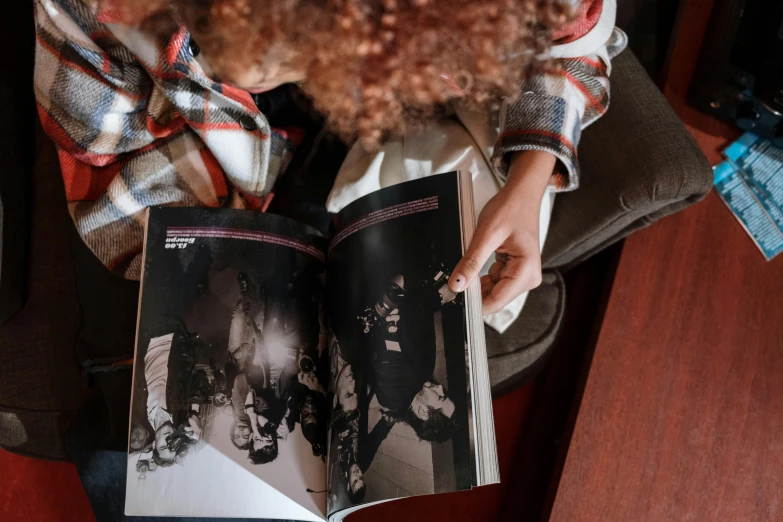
{"x":683,"y":407}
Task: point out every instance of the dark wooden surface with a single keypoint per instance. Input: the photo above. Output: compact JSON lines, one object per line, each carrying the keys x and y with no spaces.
{"x":537,"y":460}
{"x":682,"y":412}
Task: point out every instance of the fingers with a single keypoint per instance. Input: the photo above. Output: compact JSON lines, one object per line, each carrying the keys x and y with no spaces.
{"x":494,"y":270}
{"x":486,"y":286}
{"x":516,"y":276}
{"x":481,"y":247}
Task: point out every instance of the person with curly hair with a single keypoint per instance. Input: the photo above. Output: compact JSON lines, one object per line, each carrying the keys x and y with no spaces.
{"x":174,"y":115}
{"x":313,"y":417}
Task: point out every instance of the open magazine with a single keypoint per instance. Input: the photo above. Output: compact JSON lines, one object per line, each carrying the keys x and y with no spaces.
{"x":282,"y":374}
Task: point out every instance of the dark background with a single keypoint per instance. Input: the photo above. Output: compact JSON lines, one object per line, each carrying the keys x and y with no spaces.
{"x":417,"y":246}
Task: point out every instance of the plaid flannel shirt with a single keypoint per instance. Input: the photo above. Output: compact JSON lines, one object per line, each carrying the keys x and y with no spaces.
{"x":555,"y":107}
{"x":139,"y":123}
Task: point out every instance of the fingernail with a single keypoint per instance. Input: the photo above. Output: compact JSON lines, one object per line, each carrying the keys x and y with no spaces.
{"x":459,"y":282}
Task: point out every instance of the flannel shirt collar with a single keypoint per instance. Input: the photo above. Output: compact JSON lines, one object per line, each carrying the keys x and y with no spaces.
{"x":224,"y":117}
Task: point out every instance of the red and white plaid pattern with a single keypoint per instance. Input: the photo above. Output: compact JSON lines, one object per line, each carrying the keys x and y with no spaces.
{"x":138,"y":123}
{"x":555,"y":108}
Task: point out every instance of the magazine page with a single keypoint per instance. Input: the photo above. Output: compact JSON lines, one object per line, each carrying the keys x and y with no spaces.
{"x":401,"y":421}
{"x":229,"y":410}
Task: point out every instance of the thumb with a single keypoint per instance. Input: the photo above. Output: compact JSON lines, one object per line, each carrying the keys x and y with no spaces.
{"x":479,"y":250}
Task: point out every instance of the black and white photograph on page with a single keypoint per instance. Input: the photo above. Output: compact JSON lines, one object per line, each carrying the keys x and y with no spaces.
{"x":232,"y":361}
{"x":400,"y":424}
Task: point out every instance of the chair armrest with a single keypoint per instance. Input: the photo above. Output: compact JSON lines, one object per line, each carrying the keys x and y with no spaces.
{"x":638,"y":163}
{"x":17,"y":144}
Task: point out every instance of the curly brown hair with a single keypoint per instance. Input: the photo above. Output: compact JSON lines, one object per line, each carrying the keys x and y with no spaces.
{"x":372,"y":67}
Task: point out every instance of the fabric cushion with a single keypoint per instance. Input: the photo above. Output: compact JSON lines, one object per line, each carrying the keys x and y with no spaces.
{"x":516,"y":356}
{"x":639,"y":163}
{"x":42,"y":386}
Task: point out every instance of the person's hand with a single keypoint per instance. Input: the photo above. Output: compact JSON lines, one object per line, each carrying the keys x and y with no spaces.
{"x":193,"y":429}
{"x":509,"y":226}
{"x":310,"y":380}
{"x":387,"y":418}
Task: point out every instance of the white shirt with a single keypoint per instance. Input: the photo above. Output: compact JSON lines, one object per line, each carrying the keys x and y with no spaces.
{"x":156,"y":373}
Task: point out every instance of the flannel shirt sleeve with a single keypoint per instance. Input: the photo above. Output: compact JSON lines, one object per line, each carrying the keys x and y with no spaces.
{"x":94,"y":98}
{"x":554,"y":108}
